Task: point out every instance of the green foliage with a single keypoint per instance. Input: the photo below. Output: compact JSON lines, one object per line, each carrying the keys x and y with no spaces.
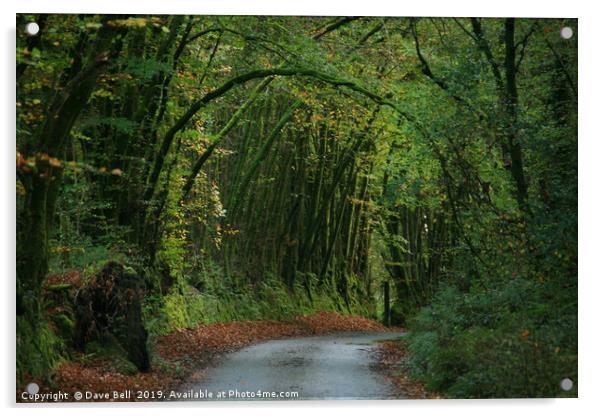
{"x":145,"y":69}
{"x":64,"y":325}
{"x":221,"y":299}
{"x":38,"y":348}
{"x":120,"y":124}
{"x":84,"y":238}
{"x":515,"y":340}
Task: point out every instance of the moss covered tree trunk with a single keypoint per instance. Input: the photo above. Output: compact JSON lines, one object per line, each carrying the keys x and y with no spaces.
{"x":42,"y":183}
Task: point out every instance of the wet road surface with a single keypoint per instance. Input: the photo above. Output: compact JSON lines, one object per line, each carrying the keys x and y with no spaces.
{"x":335,"y":366}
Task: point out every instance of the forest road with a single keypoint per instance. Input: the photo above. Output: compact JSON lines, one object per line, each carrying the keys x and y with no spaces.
{"x":335,"y":366}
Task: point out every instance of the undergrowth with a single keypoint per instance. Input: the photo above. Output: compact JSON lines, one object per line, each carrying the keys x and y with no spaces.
{"x":514,"y":340}
{"x":216,"y":297}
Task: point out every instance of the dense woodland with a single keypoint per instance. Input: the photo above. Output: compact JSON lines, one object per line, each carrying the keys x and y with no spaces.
{"x":254,"y":167}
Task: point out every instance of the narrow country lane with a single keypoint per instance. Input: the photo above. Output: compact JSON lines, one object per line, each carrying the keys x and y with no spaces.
{"x":336,"y":366}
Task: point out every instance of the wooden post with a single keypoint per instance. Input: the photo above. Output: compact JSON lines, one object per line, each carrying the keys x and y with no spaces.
{"x":387,"y":314}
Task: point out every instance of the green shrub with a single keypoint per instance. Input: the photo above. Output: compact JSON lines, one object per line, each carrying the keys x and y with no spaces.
{"x":508,"y":341}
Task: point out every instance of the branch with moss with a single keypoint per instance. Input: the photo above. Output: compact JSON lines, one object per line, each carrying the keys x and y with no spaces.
{"x":242,"y":79}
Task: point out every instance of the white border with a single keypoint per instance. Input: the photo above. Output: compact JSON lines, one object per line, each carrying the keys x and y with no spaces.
{"x":590,"y":288}
{"x":517,"y":8}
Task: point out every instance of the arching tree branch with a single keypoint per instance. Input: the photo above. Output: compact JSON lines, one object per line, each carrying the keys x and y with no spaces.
{"x":242,"y":79}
